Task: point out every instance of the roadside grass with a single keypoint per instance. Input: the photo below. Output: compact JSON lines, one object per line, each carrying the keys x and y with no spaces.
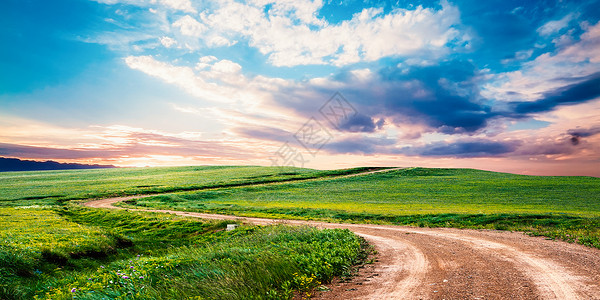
{"x":567,"y":208}
{"x":36,"y":241}
{"x":256,"y":263}
{"x":106,"y":254}
{"x":56,"y":187}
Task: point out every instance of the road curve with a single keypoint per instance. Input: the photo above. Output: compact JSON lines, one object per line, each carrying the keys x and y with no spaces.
{"x":446,"y":263}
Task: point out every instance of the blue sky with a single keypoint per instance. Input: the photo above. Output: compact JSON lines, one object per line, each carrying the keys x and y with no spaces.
{"x":499,"y":85}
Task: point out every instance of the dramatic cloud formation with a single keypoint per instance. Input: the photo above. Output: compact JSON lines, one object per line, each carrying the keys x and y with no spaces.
{"x":577,"y":134}
{"x":442,"y":83}
{"x":465,"y":148}
{"x":586,"y":90}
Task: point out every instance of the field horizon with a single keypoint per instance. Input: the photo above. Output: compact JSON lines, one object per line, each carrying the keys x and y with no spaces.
{"x":55,"y":248}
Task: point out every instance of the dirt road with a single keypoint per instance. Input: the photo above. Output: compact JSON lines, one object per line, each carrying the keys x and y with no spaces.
{"x":443,"y":263}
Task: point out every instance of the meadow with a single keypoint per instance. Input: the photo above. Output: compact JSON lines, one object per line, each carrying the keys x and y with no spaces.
{"x":557,"y":207}
{"x":52,"y":248}
{"x":55,"y":187}
{"x":83,"y":253}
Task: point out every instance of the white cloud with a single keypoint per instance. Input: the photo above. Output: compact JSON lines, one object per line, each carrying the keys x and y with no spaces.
{"x":587,"y":49}
{"x":204,"y":62}
{"x":212,"y":80}
{"x":548,"y":71}
{"x":182,"y":5}
{"x":556,"y":25}
{"x":167,"y":41}
{"x":368,"y":36}
{"x":519,"y":55}
{"x":291,"y":33}
{"x":189,"y":26}
{"x":218,"y":41}
{"x":226,"y":66}
{"x":183,"y":77}
{"x":207,"y":59}
{"x":305,"y":11}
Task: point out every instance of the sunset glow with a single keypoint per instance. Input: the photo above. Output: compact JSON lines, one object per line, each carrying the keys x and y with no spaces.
{"x":495,"y":85}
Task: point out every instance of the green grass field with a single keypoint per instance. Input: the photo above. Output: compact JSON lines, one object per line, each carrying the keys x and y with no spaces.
{"x":83,"y":253}
{"x":53,"y":248}
{"x":407,"y":192}
{"x":53,"y":187}
{"x":558,"y":207}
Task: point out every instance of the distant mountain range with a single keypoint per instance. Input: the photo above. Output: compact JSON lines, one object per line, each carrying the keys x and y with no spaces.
{"x":14,"y":164}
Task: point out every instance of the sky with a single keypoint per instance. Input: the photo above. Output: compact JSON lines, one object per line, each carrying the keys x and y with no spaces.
{"x":511,"y":86}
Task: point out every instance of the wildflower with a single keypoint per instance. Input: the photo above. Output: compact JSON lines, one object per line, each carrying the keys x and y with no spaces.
{"x":73,"y":290}
{"x":125,"y":277}
{"x":102,"y":267}
{"x":141,"y":277}
{"x":131,"y":267}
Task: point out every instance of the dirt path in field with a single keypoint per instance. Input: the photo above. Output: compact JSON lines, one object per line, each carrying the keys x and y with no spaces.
{"x":444,"y":263}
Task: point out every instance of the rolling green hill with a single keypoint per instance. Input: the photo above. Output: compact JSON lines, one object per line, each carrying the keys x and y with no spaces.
{"x":403,"y":192}
{"x":557,"y":207}
{"x":53,"y":248}
{"x":54,"y":187}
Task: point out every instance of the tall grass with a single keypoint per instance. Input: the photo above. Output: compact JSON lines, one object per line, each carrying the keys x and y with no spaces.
{"x":106,"y":254}
{"x":258,"y":263}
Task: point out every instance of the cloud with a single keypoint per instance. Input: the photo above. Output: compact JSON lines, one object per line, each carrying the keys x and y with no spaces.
{"x":466,"y":148}
{"x":23,"y":151}
{"x":226,"y":66}
{"x":167,"y":41}
{"x":556,"y":25}
{"x":444,"y":98}
{"x":264,"y":133}
{"x":368,"y":36}
{"x":360,"y":123}
{"x":463,"y":149}
{"x":587,"y":49}
{"x":121,"y":142}
{"x":185,"y":77}
{"x":577,"y":134}
{"x":182,"y":5}
{"x":583,"y":91}
{"x":189,"y":26}
{"x":360,"y":144}
{"x":548,"y":71}
{"x":580,"y":132}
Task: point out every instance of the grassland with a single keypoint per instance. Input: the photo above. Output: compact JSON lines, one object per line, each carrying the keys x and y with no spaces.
{"x":55,"y":187}
{"x":558,"y":207}
{"x":82,"y":253}
{"x":52,"y":248}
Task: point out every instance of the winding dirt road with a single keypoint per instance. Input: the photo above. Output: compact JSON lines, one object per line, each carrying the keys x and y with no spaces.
{"x":443,"y":263}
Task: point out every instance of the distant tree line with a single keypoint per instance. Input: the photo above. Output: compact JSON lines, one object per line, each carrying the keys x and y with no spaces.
{"x":14,"y":164}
